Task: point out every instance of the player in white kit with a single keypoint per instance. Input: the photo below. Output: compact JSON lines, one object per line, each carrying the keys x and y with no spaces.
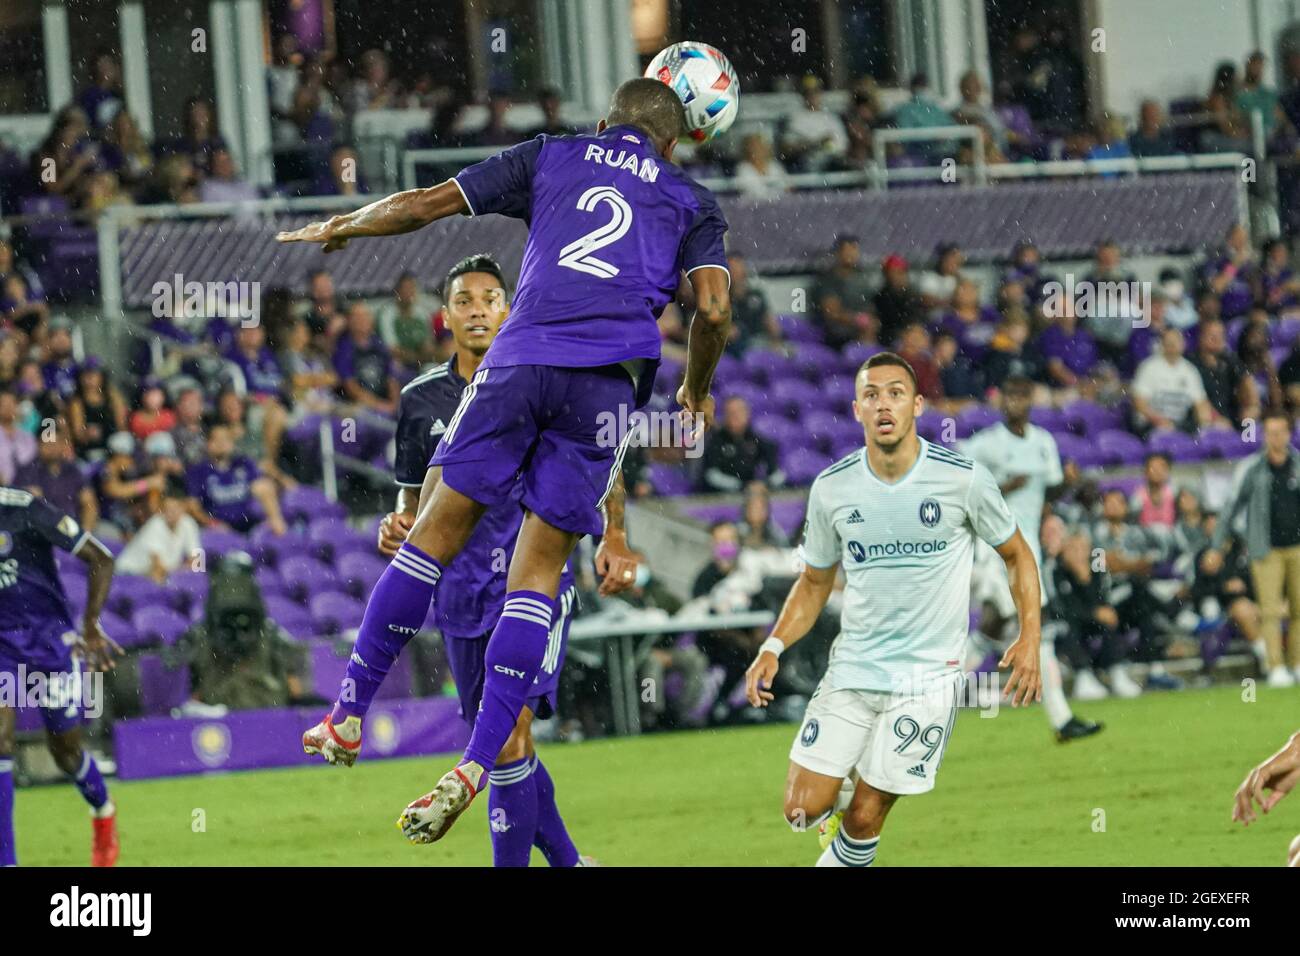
{"x":901,"y":517}
{"x":1025,"y":462}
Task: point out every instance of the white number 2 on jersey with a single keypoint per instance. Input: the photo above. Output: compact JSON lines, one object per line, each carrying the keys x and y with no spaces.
{"x":578,"y":254}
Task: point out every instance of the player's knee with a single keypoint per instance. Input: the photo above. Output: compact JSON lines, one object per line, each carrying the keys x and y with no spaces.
{"x":804,"y":809}
{"x":866,"y":818}
{"x":66,"y":754}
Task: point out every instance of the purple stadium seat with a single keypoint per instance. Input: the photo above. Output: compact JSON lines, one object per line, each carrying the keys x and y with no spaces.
{"x":75,"y":588}
{"x":118,"y":628}
{"x":1128,"y":484}
{"x":707,"y":514}
{"x":162,"y":687}
{"x":802,"y":465}
{"x":1055,"y":420}
{"x":855,"y":353}
{"x":188,"y":589}
{"x":359,"y":570}
{"x":1120,"y":448}
{"x":324,"y":533}
{"x":794,"y":395}
{"x":729,"y":368}
{"x":270,"y":582}
{"x":973,"y":419}
{"x":929,"y":424}
{"x":762,"y":366}
{"x":845,"y":446}
{"x":669,"y":479}
{"x":294,"y":618}
{"x":1089,"y":418}
{"x":1178,"y":446}
{"x":1286,"y":331}
{"x":333,"y":612}
{"x":1226,"y":443}
{"x":302,"y":575}
{"x":216,"y":542}
{"x":130,"y":593}
{"x":779,"y":431}
{"x":815,"y":360}
{"x":837,"y":392}
{"x":788,"y":515}
{"x":158,"y":624}
{"x":306,"y":502}
{"x":754,"y":394}
{"x":797,"y":328}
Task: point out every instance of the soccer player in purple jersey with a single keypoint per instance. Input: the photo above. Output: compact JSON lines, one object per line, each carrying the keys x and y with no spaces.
{"x":612,"y":226}
{"x":522,"y":808}
{"x":39,"y":648}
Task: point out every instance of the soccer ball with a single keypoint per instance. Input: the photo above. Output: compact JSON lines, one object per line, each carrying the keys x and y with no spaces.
{"x":706,"y":83}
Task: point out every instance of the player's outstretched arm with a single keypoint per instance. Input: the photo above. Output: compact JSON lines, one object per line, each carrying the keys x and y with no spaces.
{"x":710,"y":326}
{"x":99,"y":648}
{"x":1025,"y":683}
{"x":807,"y":598}
{"x":399,"y":213}
{"x":1278,"y":775}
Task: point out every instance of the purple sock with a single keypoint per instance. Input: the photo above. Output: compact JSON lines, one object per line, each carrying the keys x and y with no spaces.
{"x":8,"y":850}
{"x":514,"y":656}
{"x":394,"y":614}
{"x":552,"y":837}
{"x":512,"y":813}
{"x":91,"y":782}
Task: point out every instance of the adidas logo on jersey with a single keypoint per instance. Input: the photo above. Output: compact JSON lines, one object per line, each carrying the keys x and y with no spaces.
{"x":856,"y":517}
{"x":917,"y":771}
{"x":437,"y":428}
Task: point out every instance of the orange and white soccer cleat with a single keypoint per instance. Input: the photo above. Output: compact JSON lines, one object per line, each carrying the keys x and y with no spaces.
{"x":338,"y":745}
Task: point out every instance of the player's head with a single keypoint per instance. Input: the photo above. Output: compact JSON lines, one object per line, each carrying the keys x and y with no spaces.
{"x":650,"y":106}
{"x":1017,"y":396}
{"x":474,"y":294}
{"x":887,"y":401}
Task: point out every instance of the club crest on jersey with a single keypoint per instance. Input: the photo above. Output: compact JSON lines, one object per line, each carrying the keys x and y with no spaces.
{"x":930,"y":512}
{"x":808,"y":736}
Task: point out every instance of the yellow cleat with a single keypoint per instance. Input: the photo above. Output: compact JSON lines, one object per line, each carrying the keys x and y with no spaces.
{"x":828,"y":828}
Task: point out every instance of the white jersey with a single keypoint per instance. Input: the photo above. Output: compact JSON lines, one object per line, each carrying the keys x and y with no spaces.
{"x":1007,"y":455}
{"x":907,"y":550}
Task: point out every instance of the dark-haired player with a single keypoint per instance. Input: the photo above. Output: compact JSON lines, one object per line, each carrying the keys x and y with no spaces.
{"x":902,"y":517}
{"x":613,"y":224}
{"x":522,"y":811}
{"x":40,"y":648}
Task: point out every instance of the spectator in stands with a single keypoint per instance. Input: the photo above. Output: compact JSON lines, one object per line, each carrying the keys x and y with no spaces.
{"x":724,"y":550}
{"x":38,"y":406}
{"x":1279,"y":285}
{"x":1257,"y":359}
{"x":10,"y":359}
{"x":316,"y":111}
{"x":1267,"y":490}
{"x":163,"y":458}
{"x":1130,"y":553}
{"x":165,"y":543}
{"x":200,"y":140}
{"x":1180,"y":309}
{"x":938,"y":284}
{"x":151,"y":413}
{"x":1070,"y":351}
{"x":732,"y":650}
{"x":548,"y":98}
{"x":1154,"y":501}
{"x":228,"y":492}
{"x":1012,"y":354}
{"x":1152,"y":137}
{"x":129,"y":488}
{"x":667,"y":655}
{"x":813,"y":137}
{"x":1254,"y":98}
{"x":223,"y":183}
{"x":914,"y":346}
{"x":974,"y":110}
{"x":760,"y":175}
{"x":11,"y":265}
{"x":405,"y":323}
{"x":1232,"y":274}
{"x":922,"y":111}
{"x":958,"y":375}
{"x":860,"y":126}
{"x":175,"y":181}
{"x":375,"y":88}
{"x":64,"y":162}
{"x":971,"y":324}
{"x":734,"y":456}
{"x":18,"y":308}
{"x":188,"y":434}
{"x":1229,"y":130}
{"x":1112,"y":140}
{"x":17,"y":445}
{"x":102,"y":99}
{"x":282,"y":80}
{"x":364,"y":367}
{"x":842,"y":295}
{"x":260,"y":376}
{"x":257,"y":429}
{"x":126,"y":152}
{"x":497,"y":131}
{"x":1115,"y":306}
{"x":896,"y":304}
{"x":96,"y":411}
{"x":757,"y":528}
{"x":54,"y":475}
{"x":1091,"y":640}
{"x":310,"y":378}
{"x":324,"y":312}
{"x":1167,"y":391}
{"x":752,"y":321}
{"x":1231,"y":392}
{"x":342,"y":176}
{"x":1026,"y":270}
{"x":60,"y":367}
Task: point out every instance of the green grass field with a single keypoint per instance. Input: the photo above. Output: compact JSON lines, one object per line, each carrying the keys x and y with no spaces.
{"x":1163,"y":772}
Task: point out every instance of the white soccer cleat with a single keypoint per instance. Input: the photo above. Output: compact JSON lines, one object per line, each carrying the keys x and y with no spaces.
{"x":338,"y":745}
{"x":1087,"y":687}
{"x":1281,"y":677}
{"x":426,"y":820}
{"x":584,"y":860}
{"x":1122,"y":685}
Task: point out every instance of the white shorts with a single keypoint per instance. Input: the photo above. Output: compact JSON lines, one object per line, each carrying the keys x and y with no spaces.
{"x":895,"y":742}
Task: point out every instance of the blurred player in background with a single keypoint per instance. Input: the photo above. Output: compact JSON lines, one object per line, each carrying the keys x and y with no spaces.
{"x":37,"y":637}
{"x":1278,"y":775}
{"x":902,"y":517}
{"x":521,"y":804}
{"x":1024,"y":461}
{"x":613,"y":224}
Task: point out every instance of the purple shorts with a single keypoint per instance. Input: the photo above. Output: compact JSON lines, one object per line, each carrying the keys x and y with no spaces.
{"x":556,"y":429}
{"x":466,"y":656}
{"x":40,"y":667}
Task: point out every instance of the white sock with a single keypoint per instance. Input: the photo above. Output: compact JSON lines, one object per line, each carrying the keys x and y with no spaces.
{"x":1055,"y":705}
{"x":846,"y":851}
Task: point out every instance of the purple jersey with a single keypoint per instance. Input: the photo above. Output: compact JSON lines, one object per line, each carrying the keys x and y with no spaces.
{"x":262,"y":376}
{"x":611,"y":227}
{"x":226,"y":492}
{"x":472,"y":589}
{"x":31,"y":594}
